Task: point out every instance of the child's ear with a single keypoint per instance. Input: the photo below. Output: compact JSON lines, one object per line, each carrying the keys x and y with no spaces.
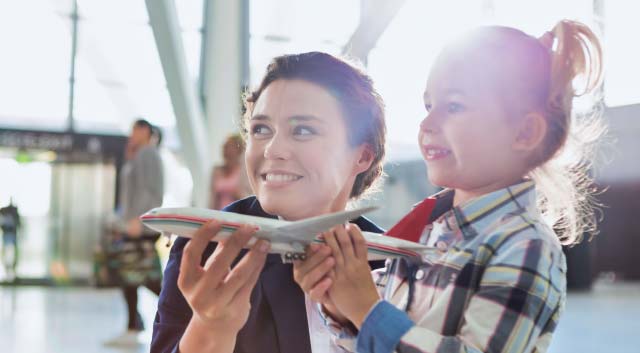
{"x":365,"y":158}
{"x":531,"y":132}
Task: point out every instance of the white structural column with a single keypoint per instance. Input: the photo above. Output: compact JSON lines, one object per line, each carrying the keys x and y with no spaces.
{"x":189,"y":117}
{"x":375,"y":16}
{"x":224,"y":67}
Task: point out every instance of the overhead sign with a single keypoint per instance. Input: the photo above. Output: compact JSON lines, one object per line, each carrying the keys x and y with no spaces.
{"x":63,"y":141}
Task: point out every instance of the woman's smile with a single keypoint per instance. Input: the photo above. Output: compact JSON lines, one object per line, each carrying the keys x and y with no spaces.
{"x":277,"y":178}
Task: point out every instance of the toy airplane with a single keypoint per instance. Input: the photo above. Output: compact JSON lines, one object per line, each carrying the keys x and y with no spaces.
{"x":288,"y":239}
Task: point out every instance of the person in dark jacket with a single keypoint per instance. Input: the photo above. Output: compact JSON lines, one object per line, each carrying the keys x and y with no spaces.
{"x":10,"y":223}
{"x":315,"y":136}
{"x":141,"y":189}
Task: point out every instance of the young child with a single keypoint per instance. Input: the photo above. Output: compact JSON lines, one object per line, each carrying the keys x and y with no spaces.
{"x":499,"y":120}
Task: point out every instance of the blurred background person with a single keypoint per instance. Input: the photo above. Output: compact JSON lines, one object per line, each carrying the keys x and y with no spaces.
{"x":10,"y":223}
{"x":156,"y":136}
{"x":229,"y":181}
{"x":141,"y":189}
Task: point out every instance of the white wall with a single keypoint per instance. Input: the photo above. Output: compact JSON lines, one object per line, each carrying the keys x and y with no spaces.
{"x":622,"y":148}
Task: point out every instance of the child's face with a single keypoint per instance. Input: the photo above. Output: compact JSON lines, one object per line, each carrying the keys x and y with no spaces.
{"x":467,"y":138}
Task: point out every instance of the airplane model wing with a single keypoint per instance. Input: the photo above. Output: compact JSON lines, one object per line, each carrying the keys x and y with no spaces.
{"x":288,"y":239}
{"x":309,"y":228}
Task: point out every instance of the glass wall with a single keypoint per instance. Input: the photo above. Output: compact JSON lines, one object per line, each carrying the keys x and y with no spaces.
{"x":117,"y":77}
{"x":401,"y":60}
{"x":35,"y":63}
{"x":622,"y":52}
{"x":316,"y":26}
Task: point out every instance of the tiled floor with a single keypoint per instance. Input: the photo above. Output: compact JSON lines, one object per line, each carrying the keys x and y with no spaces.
{"x":69,"y":320}
{"x":605,"y":320}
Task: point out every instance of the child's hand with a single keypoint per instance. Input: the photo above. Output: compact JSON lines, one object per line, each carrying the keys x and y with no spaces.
{"x":313,"y":274}
{"x":315,"y":277}
{"x":353,"y":291}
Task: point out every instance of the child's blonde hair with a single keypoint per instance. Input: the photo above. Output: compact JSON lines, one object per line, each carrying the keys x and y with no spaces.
{"x":538,"y":75}
{"x":566,"y":197}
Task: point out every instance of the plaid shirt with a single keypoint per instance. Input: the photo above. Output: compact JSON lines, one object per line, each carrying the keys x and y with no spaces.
{"x":498,"y":286}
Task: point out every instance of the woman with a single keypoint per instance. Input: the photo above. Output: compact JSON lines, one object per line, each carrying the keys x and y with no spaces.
{"x":315,"y":140}
{"x":229,"y":180}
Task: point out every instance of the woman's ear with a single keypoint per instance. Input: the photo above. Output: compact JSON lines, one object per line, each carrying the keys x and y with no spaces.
{"x":365,"y":158}
{"x":531,"y":132}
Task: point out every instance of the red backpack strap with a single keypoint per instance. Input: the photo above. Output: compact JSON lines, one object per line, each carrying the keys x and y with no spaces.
{"x":411,"y":226}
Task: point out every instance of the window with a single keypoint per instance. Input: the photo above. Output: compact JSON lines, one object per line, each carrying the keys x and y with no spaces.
{"x":35,"y":63}
{"x":280,"y":27}
{"x":403,"y":56}
{"x":621,"y":53}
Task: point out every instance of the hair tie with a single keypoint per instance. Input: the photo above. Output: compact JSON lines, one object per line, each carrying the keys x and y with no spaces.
{"x":547,"y":40}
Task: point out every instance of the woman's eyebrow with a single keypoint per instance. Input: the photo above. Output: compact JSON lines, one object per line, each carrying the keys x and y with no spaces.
{"x":305,"y":118}
{"x":260,"y":117}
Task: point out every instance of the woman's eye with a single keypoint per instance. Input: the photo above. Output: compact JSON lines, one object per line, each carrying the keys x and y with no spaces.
{"x":428,"y":107}
{"x":303,"y":131}
{"x":260,"y":130}
{"x":455,"y":107}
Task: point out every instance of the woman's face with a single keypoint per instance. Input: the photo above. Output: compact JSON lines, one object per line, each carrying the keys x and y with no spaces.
{"x":298,"y":159}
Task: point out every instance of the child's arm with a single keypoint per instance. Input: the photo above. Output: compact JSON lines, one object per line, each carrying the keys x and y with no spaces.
{"x":353,"y":292}
{"x":514,"y":309}
{"x":315,"y":276}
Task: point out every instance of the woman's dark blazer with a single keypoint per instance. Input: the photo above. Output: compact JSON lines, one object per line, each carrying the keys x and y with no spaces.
{"x":278,"y":320}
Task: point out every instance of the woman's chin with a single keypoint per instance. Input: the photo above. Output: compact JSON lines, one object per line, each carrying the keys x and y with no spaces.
{"x":278,"y":206}
{"x":288,"y":209}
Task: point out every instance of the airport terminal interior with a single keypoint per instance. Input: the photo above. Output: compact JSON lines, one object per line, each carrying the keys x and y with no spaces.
{"x":76,"y":74}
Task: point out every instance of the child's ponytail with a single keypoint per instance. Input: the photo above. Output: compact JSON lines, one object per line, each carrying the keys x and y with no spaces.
{"x":566,"y":186}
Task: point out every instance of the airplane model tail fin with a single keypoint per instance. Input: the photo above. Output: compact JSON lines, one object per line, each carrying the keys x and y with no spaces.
{"x":309,"y":228}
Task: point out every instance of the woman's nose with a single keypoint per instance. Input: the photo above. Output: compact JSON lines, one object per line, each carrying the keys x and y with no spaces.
{"x":277,"y":148}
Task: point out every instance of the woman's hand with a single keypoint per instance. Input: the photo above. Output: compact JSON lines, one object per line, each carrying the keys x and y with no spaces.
{"x":218,"y":295}
{"x":352,"y":291}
